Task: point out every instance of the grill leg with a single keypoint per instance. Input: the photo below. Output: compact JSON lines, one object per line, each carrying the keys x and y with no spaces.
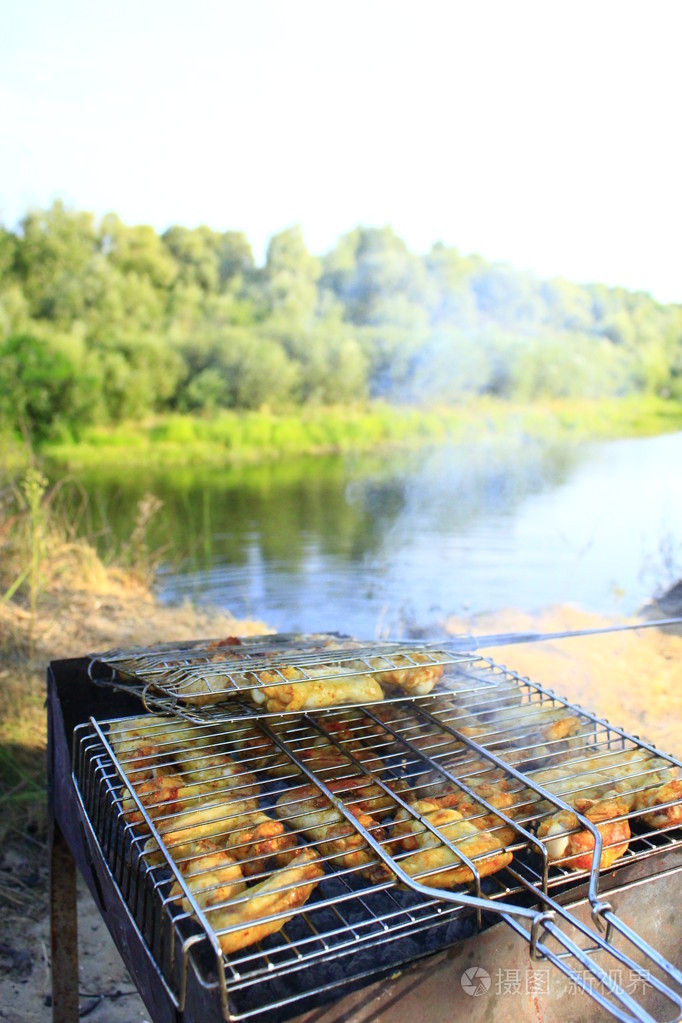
{"x":63,"y":929}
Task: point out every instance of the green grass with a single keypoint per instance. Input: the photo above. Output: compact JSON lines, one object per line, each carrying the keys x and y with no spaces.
{"x":234,"y":437}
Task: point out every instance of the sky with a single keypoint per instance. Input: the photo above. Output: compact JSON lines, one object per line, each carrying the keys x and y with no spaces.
{"x":543,"y":134}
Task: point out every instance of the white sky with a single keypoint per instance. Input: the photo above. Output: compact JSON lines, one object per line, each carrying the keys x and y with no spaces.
{"x":545,"y":134}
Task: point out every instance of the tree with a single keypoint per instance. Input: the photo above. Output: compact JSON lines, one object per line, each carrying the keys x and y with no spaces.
{"x":138,"y":250}
{"x":376,"y":278}
{"x":235,"y":258}
{"x":451,"y":300}
{"x":196,"y":254}
{"x":52,"y":254}
{"x":290,"y":280}
{"x":39,"y":388}
{"x":258,"y":371}
{"x":8,"y":252}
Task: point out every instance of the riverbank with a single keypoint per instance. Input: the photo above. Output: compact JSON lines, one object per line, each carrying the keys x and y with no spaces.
{"x":237,"y":437}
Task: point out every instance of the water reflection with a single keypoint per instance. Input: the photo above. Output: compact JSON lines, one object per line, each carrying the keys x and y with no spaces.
{"x":367,"y":545}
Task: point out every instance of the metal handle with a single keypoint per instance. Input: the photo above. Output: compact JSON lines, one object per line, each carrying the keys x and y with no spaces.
{"x":530,"y":923}
{"x":470,"y":643}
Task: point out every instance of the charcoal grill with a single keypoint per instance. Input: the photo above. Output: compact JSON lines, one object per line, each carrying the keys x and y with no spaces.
{"x":480,"y":731}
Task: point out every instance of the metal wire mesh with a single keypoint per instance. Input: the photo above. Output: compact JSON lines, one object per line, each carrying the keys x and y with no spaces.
{"x":264,"y":853}
{"x":275,"y":674}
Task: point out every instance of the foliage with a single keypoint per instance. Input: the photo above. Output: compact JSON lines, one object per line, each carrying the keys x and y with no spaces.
{"x":101,"y":322}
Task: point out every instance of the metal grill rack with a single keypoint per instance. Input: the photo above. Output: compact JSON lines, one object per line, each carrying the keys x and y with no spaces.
{"x":248,"y":673}
{"x":482,"y":732}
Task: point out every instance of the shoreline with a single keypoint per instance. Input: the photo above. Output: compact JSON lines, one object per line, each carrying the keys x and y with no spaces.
{"x":237,"y":438}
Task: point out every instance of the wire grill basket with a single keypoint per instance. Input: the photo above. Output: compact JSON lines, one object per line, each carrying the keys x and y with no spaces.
{"x":264,"y":852}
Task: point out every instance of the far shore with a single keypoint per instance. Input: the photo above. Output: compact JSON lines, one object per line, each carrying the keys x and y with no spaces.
{"x":234,"y":437}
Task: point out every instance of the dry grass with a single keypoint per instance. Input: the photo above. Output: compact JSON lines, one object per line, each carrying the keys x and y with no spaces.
{"x":58,"y":599}
{"x":67,"y":623}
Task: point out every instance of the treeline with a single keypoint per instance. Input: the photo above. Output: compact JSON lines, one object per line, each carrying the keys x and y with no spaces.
{"x":100,"y":321}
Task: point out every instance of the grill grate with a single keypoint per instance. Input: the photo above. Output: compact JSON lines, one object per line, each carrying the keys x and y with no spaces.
{"x":162,"y":794}
{"x":275,"y":674}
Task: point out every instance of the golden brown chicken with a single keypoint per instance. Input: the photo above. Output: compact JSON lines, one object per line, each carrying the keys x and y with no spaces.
{"x":162,"y":796}
{"x":139,"y":755}
{"x":199,"y":751}
{"x":652,"y":799}
{"x":242,"y":916}
{"x":224,"y":670}
{"x":309,"y":811}
{"x":571,"y":845}
{"x":258,"y":752}
{"x":184,"y":813}
{"x":248,"y":834}
{"x":478,"y":814}
{"x":212,"y":876}
{"x":295,"y":689}
{"x":429,"y":860}
{"x":414,"y":672}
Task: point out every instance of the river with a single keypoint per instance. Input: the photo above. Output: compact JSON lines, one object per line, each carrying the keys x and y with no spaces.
{"x":384,"y":545}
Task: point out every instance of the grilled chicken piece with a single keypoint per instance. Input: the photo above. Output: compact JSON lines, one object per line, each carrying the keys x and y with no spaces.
{"x":164,"y":795}
{"x":295,"y":689}
{"x":213,"y":877}
{"x":479,"y":815}
{"x":285,"y":891}
{"x":518,"y":733}
{"x":259,"y":753}
{"x":414,"y":672}
{"x":194,"y":750}
{"x":363,"y":793}
{"x":357,"y":734}
{"x":315,"y":751}
{"x":474,"y":771}
{"x":224,"y":670}
{"x":328,"y":763}
{"x":542,"y":736}
{"x":564,"y":726}
{"x":184,"y":814}
{"x":138,"y":753}
{"x":626,"y":774}
{"x":572,"y":846}
{"x":259,"y":841}
{"x":430,"y":861}
{"x":249,"y":835}
{"x":632,"y":770}
{"x":666,"y":816}
{"x":571,"y":780}
{"x":445,"y":748}
{"x":239,"y":915}
{"x":307,"y":809}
